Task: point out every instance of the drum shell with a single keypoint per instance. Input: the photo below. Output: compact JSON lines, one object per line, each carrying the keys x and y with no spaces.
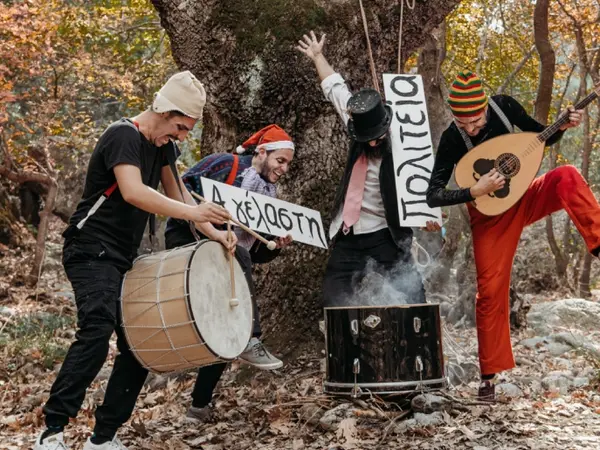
{"x":390,"y":343}
{"x":157,"y":315}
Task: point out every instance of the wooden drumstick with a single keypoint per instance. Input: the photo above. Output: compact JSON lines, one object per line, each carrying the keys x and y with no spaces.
{"x":233,"y":301}
{"x":271,"y":245}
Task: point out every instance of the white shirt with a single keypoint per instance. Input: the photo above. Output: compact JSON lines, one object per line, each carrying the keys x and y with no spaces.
{"x":372,"y":212}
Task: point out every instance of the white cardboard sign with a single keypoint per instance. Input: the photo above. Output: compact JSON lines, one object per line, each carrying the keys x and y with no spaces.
{"x":411,"y":147}
{"x":266,"y":214}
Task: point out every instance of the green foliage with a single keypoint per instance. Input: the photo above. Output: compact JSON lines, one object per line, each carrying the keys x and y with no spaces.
{"x":38,"y":336}
{"x":68,"y":69}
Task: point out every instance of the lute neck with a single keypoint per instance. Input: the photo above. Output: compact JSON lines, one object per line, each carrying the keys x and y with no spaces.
{"x":555,"y":127}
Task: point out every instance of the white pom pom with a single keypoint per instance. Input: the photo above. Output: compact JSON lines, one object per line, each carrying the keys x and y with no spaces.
{"x":271,"y":245}
{"x":240,"y":150}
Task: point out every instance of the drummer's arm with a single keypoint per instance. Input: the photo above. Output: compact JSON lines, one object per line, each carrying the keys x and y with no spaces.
{"x":135,"y":192}
{"x":168,"y":182}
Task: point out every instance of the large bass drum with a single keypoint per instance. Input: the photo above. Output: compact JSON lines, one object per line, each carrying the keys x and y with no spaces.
{"x":383,"y":350}
{"x":176,"y":311}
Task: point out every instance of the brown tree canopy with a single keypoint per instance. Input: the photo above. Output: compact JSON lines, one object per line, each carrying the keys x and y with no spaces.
{"x":244,"y":53}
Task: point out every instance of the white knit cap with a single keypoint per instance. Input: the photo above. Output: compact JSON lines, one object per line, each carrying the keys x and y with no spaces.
{"x":182,"y":92}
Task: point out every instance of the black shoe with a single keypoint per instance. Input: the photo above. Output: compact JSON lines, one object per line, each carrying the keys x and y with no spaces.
{"x":487,"y":391}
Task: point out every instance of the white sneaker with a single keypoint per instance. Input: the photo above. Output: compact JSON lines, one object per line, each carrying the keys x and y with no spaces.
{"x":258,"y":356}
{"x":54,"y":442}
{"x":115,"y":444}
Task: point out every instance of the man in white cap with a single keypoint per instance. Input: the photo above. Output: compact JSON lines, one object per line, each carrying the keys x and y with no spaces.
{"x":131,"y":157}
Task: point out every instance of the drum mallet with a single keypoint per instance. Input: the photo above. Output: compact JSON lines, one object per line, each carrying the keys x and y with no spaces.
{"x":233,"y":301}
{"x":271,"y":245}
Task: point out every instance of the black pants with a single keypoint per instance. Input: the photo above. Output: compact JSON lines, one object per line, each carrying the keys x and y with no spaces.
{"x":95,"y":272}
{"x":349,"y":263}
{"x":209,"y":376}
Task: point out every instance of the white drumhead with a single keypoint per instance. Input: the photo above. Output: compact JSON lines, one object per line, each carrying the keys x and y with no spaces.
{"x":226,"y":330}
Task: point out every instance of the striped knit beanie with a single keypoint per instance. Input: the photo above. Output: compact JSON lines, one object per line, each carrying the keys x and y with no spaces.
{"x":467,"y":98}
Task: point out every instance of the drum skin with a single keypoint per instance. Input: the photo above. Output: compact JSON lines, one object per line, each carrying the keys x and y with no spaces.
{"x":175,"y":308}
{"x":398,"y":349}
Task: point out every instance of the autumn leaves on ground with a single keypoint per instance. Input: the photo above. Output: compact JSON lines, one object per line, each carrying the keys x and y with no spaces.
{"x":555,"y":397}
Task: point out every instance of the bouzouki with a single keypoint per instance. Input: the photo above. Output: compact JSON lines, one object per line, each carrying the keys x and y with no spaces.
{"x":516,"y":156}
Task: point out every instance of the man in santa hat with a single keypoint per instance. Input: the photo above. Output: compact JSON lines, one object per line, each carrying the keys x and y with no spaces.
{"x":258,"y":165}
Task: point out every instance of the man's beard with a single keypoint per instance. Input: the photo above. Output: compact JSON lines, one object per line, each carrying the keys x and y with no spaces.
{"x":377,"y":152}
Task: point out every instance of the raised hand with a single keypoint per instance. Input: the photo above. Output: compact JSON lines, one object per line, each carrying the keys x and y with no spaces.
{"x":311,"y":46}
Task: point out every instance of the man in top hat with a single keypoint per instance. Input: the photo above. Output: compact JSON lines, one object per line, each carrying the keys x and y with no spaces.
{"x":259,"y":164}
{"x":478,"y":118}
{"x":365,"y":223}
{"x":131,"y":157}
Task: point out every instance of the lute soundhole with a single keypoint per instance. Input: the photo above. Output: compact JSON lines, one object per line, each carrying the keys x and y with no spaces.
{"x":508,"y":165}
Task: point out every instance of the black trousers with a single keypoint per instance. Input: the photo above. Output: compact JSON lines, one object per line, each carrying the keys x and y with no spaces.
{"x":95,"y":272}
{"x":209,"y":376}
{"x":353,"y":256}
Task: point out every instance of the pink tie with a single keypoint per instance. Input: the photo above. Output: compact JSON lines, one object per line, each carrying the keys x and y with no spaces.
{"x":354,"y":194}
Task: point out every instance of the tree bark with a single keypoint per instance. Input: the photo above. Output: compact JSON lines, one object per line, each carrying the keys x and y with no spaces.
{"x":21,"y":177}
{"x":244,"y":54}
{"x":431,"y":57}
{"x":547,"y":58}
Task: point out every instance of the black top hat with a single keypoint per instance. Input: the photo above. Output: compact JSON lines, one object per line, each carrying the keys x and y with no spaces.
{"x":369,"y":117}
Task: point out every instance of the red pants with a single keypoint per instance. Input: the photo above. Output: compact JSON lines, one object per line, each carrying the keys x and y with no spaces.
{"x":495,"y":241}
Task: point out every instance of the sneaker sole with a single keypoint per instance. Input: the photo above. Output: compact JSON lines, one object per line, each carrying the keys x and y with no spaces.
{"x":272,"y":366}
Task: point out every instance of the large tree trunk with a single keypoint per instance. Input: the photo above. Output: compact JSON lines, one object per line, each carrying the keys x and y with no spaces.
{"x":543,"y":102}
{"x":244,"y":54}
{"x":431,"y":57}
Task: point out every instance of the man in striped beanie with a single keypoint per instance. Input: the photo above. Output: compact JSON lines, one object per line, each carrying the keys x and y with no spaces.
{"x":478,"y":118}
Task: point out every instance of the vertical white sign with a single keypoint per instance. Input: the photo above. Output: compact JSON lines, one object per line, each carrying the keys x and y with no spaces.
{"x":411,"y":147}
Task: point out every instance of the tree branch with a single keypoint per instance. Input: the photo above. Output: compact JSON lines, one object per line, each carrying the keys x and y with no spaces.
{"x":516,"y":70}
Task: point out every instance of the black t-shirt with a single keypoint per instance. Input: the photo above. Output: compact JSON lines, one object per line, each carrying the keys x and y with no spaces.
{"x":118,"y":224}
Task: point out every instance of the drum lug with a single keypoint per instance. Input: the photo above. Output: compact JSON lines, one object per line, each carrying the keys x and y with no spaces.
{"x":356,"y":366}
{"x":354,"y":327}
{"x":418,"y":364}
{"x":356,"y":390}
{"x":417,"y":324}
{"x":372,"y":321}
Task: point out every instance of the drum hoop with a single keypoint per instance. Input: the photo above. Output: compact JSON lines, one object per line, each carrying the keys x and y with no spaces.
{"x":405,"y":306}
{"x":389,"y":385}
{"x":189,"y":306}
{"x":188,"y":301}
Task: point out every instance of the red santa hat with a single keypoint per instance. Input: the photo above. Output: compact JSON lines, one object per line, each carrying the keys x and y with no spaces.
{"x":271,"y":137}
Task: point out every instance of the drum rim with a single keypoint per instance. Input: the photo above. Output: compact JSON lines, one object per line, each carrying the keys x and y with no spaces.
{"x":402,"y":306}
{"x":390,"y":384}
{"x":189,"y":304}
